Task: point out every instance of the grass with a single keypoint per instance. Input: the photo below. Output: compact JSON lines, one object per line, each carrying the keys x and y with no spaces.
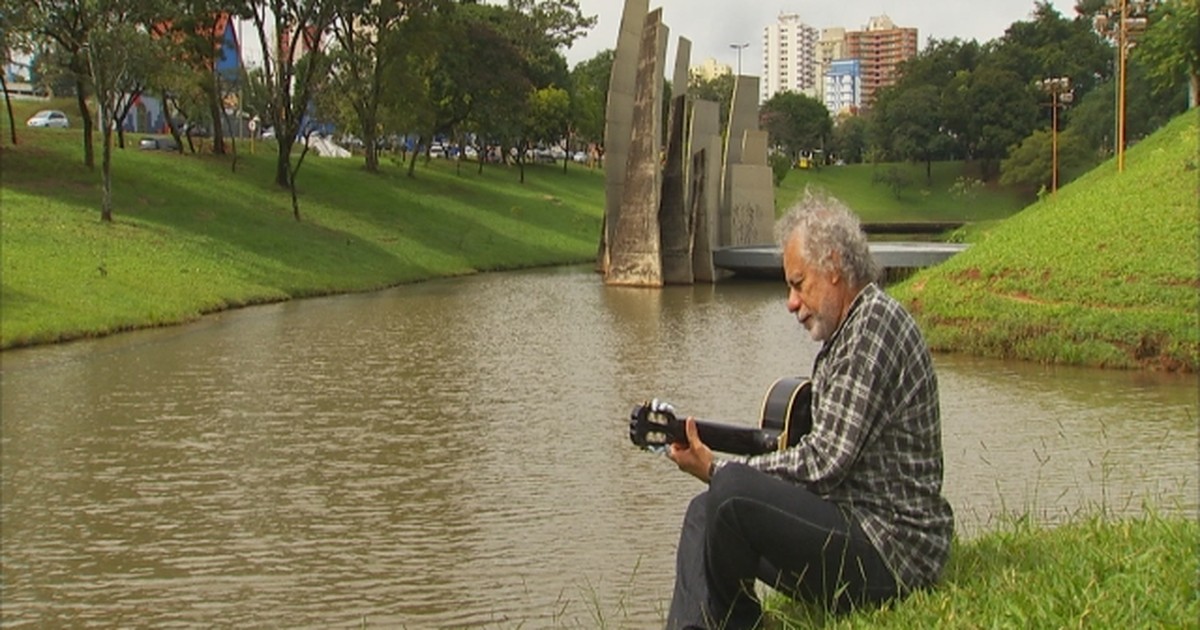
{"x":1095,"y":572}
{"x":953,"y":194}
{"x":192,"y":235}
{"x":1105,"y":274}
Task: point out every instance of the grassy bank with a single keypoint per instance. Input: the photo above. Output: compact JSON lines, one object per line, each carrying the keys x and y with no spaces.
{"x":1138,"y":573}
{"x":954,"y":192}
{"x":192,"y":235}
{"x":1105,"y":274}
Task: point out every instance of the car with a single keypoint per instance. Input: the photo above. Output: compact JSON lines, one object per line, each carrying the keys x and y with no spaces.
{"x":49,"y":118}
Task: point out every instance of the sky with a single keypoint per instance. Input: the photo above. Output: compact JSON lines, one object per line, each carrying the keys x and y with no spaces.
{"x":713,"y":25}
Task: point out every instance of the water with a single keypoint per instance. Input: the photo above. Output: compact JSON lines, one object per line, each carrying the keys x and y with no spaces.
{"x":454,"y":454}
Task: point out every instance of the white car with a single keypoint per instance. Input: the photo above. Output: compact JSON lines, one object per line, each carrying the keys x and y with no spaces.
{"x":49,"y":118}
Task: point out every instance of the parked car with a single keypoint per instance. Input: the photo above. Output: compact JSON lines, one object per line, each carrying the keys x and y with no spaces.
{"x":49,"y":118}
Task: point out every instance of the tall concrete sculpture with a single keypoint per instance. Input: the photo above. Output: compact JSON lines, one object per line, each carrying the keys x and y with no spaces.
{"x":618,"y":123}
{"x":743,"y":117}
{"x":635,"y":254}
{"x":704,"y":186}
{"x":674,"y":220}
{"x":752,"y":193}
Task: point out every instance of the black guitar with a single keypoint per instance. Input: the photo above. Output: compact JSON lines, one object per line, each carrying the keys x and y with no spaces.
{"x":786,"y":415}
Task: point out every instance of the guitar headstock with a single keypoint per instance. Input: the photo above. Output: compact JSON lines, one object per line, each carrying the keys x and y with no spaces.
{"x":654,"y":425}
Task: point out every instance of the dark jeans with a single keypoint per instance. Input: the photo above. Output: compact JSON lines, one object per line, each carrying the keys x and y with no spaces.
{"x":750,"y":525}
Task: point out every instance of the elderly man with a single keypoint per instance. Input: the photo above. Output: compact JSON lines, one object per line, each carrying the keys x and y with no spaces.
{"x":853,"y":514}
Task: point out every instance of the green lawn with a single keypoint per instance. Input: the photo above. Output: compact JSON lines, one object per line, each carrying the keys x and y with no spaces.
{"x":1092,"y":573}
{"x":1106,"y":274}
{"x":953,"y":194}
{"x":193,"y":235}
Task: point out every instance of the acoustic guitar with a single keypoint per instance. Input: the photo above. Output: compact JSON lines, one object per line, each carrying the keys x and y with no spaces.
{"x":786,"y":416}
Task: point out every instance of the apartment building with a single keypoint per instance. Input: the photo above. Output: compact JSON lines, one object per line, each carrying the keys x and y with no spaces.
{"x":710,"y":69}
{"x":880,"y":47}
{"x":790,"y":61}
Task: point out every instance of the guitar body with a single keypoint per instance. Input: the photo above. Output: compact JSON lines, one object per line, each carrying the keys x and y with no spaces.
{"x":786,"y":415}
{"x":787,"y":410}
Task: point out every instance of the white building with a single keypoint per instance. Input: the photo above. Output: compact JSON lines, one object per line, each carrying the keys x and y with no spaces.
{"x":790,"y":58}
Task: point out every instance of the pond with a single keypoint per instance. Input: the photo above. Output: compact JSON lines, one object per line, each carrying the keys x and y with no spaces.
{"x":455,"y":454}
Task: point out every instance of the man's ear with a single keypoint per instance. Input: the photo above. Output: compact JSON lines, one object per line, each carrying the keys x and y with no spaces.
{"x":835,"y":275}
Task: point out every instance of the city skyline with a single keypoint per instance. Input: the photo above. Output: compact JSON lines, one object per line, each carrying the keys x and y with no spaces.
{"x":715,"y":26}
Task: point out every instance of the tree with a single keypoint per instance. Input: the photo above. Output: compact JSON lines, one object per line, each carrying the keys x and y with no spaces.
{"x":1170,"y":47}
{"x":1029,"y":165}
{"x":795,"y":122}
{"x":547,"y":118}
{"x":118,"y":54}
{"x":849,"y":139}
{"x":987,"y":111}
{"x":294,"y":37}
{"x":589,"y":97}
{"x":912,"y":121}
{"x":15,"y":34}
{"x":68,"y":23}
{"x":368,"y":50}
{"x":193,"y":82}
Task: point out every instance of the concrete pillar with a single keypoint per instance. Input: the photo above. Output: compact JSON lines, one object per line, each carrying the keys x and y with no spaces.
{"x":674,"y":219}
{"x":704,"y":180}
{"x":635,"y":255}
{"x":618,"y":123}
{"x":743,"y":116}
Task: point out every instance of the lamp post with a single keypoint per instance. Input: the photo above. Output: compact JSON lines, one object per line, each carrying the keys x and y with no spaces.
{"x":1122,"y":21}
{"x":739,"y":48}
{"x":1060,"y":95}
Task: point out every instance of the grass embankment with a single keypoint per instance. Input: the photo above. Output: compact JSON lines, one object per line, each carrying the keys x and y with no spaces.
{"x":1105,"y":274}
{"x":1099,"y":573}
{"x":954,"y":192}
{"x":190,"y":235}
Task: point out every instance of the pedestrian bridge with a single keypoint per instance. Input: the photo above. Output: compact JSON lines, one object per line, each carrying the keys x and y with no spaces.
{"x":766,"y":261}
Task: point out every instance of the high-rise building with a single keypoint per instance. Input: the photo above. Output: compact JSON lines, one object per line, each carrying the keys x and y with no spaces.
{"x":790,"y":60}
{"x":842,"y":92}
{"x":880,"y":47}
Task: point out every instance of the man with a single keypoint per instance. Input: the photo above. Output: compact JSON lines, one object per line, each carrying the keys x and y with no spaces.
{"x":853,"y":514}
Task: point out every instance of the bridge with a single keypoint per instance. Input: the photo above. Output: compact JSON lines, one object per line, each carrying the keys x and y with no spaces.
{"x":767,"y":261}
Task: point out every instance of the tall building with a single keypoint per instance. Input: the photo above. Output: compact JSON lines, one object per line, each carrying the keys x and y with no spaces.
{"x":842,"y":92}
{"x":880,"y":47}
{"x":790,"y":60}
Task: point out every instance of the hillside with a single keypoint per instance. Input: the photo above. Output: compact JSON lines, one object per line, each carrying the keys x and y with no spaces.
{"x":196,"y":233}
{"x":1105,"y":274}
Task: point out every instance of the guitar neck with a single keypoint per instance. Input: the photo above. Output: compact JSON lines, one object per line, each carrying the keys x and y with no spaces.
{"x":738,"y":440}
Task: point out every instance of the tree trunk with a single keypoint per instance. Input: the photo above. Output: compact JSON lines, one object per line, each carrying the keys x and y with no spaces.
{"x":12,"y":125}
{"x":89,"y":152}
{"x":106,"y":172}
{"x":283,"y":161}
{"x":217,"y":112}
{"x":368,"y":137}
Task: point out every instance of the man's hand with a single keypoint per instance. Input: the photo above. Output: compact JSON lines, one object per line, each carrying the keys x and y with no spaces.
{"x":694,"y":458}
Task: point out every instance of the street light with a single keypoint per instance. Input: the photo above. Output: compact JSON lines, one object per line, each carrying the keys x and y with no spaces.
{"x":1122,"y":21}
{"x":739,"y":48}
{"x":1060,"y":95}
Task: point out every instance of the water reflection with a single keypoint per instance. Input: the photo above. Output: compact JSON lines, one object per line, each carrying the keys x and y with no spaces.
{"x":454,"y":454}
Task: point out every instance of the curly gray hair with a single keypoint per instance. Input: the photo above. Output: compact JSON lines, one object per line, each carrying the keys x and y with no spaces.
{"x":827,"y":226}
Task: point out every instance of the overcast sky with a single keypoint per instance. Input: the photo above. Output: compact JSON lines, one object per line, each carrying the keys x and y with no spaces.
{"x":712,"y":25}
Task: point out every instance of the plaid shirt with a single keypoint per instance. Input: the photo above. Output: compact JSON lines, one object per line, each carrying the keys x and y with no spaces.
{"x":876,"y":444}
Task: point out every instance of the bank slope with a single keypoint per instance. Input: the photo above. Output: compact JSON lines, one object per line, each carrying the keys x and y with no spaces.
{"x":192,"y":235}
{"x":1105,"y":274}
